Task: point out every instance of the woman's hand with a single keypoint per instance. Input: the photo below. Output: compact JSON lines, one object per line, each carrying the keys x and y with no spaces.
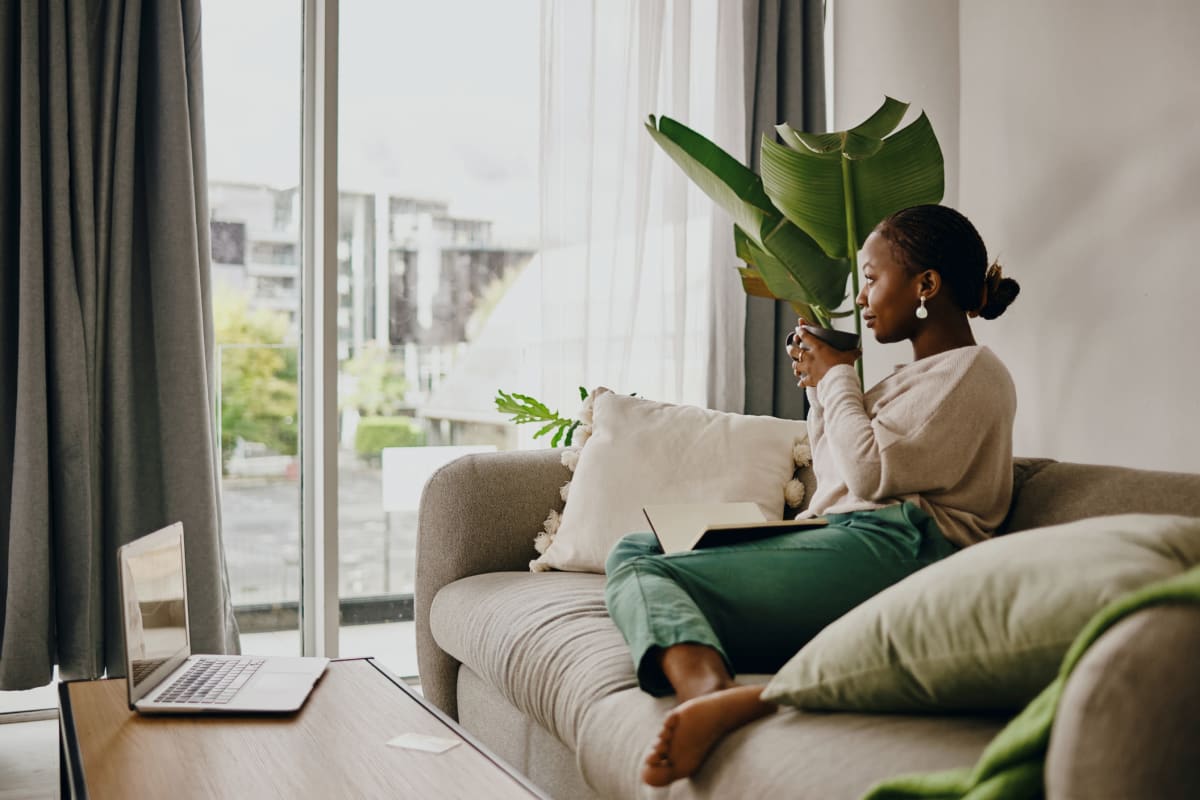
{"x":812,"y":357}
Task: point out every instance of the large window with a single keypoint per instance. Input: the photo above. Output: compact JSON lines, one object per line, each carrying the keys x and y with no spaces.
{"x":252,"y":76}
{"x":436,"y":219}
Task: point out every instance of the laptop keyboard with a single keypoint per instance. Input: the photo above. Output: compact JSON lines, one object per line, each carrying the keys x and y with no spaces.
{"x":211,"y":681}
{"x":144,"y":667}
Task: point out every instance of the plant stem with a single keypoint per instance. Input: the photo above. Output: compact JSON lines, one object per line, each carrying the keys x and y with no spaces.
{"x":852,"y":252}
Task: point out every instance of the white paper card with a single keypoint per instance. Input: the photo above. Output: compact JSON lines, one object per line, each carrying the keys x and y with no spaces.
{"x":417,"y":741}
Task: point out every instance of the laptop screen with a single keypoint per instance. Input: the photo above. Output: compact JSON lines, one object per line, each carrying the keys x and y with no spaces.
{"x":154,"y":608}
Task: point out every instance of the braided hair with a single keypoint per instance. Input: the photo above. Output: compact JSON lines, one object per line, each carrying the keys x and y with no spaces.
{"x":939,"y":238}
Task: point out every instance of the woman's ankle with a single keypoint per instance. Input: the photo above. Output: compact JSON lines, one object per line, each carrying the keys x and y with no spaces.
{"x":694,"y":670}
{"x":699,"y":687}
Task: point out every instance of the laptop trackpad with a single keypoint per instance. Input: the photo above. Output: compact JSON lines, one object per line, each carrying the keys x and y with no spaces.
{"x":283,"y":667}
{"x":279,"y":681}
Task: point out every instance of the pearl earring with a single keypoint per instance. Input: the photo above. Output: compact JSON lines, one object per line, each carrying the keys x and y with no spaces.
{"x":922,"y":312}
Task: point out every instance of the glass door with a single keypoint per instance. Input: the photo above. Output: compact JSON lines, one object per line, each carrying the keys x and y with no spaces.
{"x":436,"y":224}
{"x":438,"y":221}
{"x":252,"y":83}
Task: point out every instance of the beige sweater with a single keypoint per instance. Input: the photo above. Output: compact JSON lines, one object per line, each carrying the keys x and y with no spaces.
{"x":937,"y":432}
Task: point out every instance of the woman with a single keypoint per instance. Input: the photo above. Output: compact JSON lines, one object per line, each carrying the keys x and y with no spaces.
{"x":907,"y":473}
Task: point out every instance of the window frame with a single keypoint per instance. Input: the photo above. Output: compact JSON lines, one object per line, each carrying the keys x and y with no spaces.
{"x":319,"y":623}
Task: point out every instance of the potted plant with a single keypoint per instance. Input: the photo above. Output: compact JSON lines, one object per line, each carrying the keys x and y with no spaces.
{"x":799,"y":226}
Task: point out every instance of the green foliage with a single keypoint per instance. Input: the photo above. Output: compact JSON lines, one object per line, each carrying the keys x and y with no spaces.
{"x":377,"y":384}
{"x":837,"y":191}
{"x":259,"y":391}
{"x":375,"y":433}
{"x":523,"y":408}
{"x":768,"y":241}
{"x":799,"y":227}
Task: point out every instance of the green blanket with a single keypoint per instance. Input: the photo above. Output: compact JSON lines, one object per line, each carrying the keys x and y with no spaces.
{"x":1011,"y":766}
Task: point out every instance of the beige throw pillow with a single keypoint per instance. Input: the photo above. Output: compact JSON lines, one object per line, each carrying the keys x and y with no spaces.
{"x":988,"y":627}
{"x":641,"y":452}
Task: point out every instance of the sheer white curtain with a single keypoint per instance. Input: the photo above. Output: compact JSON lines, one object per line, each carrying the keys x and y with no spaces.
{"x":639,"y":290}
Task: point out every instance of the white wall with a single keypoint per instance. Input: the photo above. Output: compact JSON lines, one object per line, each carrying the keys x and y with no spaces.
{"x":1078,"y":158}
{"x":907,"y":50}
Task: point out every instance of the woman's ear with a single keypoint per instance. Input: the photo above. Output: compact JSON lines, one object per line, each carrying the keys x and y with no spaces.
{"x":930,"y":283}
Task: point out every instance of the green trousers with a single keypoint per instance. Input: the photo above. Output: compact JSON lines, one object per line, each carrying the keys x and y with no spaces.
{"x":757,"y":603}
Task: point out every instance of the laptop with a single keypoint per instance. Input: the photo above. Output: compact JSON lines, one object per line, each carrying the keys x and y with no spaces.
{"x":162,"y":674}
{"x":694,"y":526}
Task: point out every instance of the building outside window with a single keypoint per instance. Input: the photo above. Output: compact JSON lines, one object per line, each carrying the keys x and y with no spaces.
{"x":436,"y":226}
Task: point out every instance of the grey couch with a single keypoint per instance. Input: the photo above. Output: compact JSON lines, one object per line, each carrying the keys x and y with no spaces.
{"x":532,"y":665}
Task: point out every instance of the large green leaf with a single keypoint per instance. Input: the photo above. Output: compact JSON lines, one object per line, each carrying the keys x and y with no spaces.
{"x":819,"y":143}
{"x":793,"y":267}
{"x":861,"y":141}
{"x":776,"y":278}
{"x":908,"y":171}
{"x":756,"y":286}
{"x":753,"y":283}
{"x":846,"y":143}
{"x":733,"y":186}
{"x":823,"y":277}
{"x":807,"y":188}
{"x":883,"y":121}
{"x":793,"y":225}
{"x":885,"y":175}
{"x":831,"y":190}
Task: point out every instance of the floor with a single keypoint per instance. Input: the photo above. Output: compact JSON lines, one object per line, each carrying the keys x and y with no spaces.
{"x":29,"y":722}
{"x":29,"y":760}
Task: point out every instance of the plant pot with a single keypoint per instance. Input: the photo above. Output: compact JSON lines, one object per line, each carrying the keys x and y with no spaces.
{"x":838,"y":340}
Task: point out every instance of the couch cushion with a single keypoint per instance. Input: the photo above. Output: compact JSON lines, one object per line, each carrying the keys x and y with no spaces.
{"x":545,"y":643}
{"x":1128,"y":723}
{"x":1050,"y":493}
{"x":544,"y":640}
{"x":794,"y":754}
{"x":988,"y":626}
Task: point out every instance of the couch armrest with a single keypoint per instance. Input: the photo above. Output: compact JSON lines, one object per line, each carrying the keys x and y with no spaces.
{"x":479,"y":513}
{"x":1128,"y":723}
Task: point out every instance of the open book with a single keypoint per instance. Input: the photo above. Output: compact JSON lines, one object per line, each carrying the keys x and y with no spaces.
{"x":691,"y":526}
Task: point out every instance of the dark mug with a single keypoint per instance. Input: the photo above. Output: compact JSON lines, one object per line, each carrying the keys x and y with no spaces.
{"x":838,"y":340}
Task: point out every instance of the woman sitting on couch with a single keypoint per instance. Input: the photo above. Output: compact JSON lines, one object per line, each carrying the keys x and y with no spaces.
{"x":907,"y":473}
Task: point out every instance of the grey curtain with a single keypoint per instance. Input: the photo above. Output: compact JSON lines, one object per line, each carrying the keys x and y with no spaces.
{"x":106,"y":341}
{"x":785,"y":82}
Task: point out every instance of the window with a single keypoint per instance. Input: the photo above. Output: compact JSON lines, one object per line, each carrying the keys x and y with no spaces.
{"x":435,"y":223}
{"x":252,"y":75}
{"x":434,"y":226}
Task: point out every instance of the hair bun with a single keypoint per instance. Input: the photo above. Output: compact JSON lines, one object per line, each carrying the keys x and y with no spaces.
{"x":999,"y":293}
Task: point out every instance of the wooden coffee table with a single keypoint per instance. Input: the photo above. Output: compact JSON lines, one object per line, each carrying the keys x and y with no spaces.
{"x":333,"y":747}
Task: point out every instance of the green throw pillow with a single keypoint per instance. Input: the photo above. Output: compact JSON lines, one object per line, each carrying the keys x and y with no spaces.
{"x":987,"y":627}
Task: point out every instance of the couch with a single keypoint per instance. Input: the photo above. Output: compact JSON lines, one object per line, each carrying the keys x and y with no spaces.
{"x":532,"y":666}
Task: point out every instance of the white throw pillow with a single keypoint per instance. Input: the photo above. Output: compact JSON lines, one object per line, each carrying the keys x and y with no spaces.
{"x":642,"y":452}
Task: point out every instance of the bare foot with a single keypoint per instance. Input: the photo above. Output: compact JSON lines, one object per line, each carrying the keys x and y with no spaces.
{"x":692,"y":729}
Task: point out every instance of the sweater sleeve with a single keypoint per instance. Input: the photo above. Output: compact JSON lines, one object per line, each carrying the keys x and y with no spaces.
{"x":920,"y":442}
{"x":815,"y":419}
{"x":843,"y":417}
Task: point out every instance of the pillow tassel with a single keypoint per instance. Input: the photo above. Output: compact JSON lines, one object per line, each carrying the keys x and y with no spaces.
{"x":801,"y":452}
{"x":543,"y":540}
{"x":793,"y":493}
